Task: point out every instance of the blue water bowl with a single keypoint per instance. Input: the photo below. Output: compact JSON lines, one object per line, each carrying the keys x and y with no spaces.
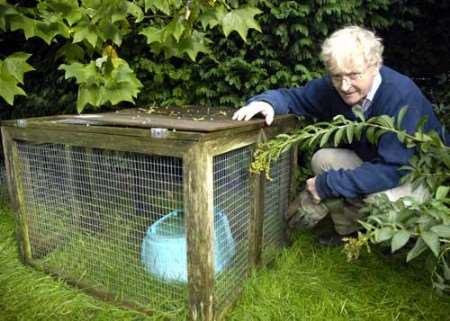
{"x":164,"y":249}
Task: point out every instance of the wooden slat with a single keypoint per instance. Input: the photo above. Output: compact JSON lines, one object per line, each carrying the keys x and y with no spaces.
{"x":198,"y":196}
{"x":144,"y":145}
{"x":10,"y":177}
{"x":22,"y":224}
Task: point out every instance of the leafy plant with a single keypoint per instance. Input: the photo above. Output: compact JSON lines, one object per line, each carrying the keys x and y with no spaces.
{"x":283,"y":54}
{"x":425,"y":226}
{"x":91,"y":31}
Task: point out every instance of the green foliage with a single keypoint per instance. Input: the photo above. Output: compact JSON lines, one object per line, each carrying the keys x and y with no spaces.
{"x":90,"y":31}
{"x":227,"y":70}
{"x":103,"y":80}
{"x":11,"y":74}
{"x":397,"y":223}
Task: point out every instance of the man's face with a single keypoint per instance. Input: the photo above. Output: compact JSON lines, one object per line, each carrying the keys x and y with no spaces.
{"x":353,"y":81}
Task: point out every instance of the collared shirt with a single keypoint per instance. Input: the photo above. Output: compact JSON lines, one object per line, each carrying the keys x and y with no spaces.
{"x":369,"y":98}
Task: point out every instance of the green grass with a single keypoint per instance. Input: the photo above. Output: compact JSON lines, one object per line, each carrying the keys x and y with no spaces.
{"x":305,"y":282}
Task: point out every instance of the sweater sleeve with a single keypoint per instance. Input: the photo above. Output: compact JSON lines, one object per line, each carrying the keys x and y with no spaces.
{"x":309,"y":101}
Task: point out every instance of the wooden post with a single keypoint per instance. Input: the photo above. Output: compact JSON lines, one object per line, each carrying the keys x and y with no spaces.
{"x":22,"y":224}
{"x":7,"y":153}
{"x":199,"y":217}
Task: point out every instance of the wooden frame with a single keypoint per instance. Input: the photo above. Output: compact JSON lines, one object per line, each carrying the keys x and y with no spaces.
{"x":196,"y":149}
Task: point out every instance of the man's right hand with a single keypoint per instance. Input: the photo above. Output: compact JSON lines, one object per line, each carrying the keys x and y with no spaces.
{"x":255,"y":107}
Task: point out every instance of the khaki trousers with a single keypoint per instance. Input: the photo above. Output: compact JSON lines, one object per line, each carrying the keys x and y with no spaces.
{"x":346,"y":215}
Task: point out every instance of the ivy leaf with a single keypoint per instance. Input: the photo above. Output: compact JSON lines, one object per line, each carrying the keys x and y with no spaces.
{"x":195,"y":44}
{"x":153,"y":34}
{"x":12,"y":70}
{"x":70,"y":52}
{"x":84,"y":30}
{"x":67,"y":9}
{"x":103,"y":80}
{"x":161,"y":5}
{"x":6,"y":12}
{"x":136,"y":11}
{"x":88,"y":95}
{"x":8,"y":87}
{"x":82,"y":73}
{"x":110,"y":31}
{"x":46,"y":30}
{"x":50,"y":29}
{"x":240,"y":20}
{"x":399,"y":240}
{"x":16,"y":65}
{"x":175,"y":28}
{"x":209,"y":19}
{"x":20,"y":22}
{"x":431,"y":239}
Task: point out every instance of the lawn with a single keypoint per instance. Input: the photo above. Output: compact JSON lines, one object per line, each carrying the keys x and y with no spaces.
{"x":306,"y":281}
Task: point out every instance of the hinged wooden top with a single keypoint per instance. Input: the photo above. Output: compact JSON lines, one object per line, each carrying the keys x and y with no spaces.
{"x":194,"y":119}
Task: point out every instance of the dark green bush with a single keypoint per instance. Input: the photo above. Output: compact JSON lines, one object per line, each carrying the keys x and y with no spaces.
{"x":284,"y":54}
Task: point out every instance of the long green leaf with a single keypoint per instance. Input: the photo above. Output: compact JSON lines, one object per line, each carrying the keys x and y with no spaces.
{"x":400,"y":116}
{"x":383,"y":234}
{"x":418,"y":249}
{"x":431,"y":239}
{"x":399,"y":240}
{"x":442,"y":192}
{"x":338,"y":136}
{"x":441,"y":230}
{"x":349,"y":132}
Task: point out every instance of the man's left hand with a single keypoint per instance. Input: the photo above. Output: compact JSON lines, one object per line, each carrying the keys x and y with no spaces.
{"x":311,"y":188}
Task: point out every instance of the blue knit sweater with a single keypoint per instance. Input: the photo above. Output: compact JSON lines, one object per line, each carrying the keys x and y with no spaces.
{"x":380,"y":170}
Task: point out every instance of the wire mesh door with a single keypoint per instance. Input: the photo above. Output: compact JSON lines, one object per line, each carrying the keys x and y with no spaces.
{"x":89,"y":214}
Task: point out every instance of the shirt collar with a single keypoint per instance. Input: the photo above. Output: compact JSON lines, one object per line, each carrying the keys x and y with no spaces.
{"x":376,"y":84}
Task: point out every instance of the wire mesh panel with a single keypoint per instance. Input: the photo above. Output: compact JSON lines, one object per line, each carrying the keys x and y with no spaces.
{"x":276,"y":198}
{"x":232,"y":197}
{"x":99,"y":217}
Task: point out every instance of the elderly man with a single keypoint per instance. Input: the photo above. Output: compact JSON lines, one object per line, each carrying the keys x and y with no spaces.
{"x":356,"y":76}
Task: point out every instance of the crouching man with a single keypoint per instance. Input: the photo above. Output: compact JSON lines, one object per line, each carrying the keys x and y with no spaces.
{"x":356,"y":77}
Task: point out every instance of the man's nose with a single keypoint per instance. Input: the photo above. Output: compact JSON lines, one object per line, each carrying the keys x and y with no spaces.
{"x":345,"y":84}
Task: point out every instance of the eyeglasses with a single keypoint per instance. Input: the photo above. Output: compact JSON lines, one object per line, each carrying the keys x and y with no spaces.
{"x":350,"y":77}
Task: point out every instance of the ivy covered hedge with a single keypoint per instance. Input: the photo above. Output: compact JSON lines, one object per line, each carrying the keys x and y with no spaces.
{"x":284,"y":54}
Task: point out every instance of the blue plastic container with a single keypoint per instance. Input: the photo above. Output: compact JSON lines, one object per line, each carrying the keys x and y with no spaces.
{"x":164,"y":247}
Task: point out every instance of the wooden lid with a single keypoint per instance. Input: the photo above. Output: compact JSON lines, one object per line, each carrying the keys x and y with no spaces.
{"x":192,"y":118}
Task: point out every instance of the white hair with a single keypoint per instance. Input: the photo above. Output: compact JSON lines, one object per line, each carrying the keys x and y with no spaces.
{"x":352,"y":45}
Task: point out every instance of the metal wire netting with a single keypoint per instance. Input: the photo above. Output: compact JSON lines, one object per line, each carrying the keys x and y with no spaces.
{"x":232,"y":197}
{"x":276,"y":199}
{"x":89,"y":212}
{"x":98,"y":216}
